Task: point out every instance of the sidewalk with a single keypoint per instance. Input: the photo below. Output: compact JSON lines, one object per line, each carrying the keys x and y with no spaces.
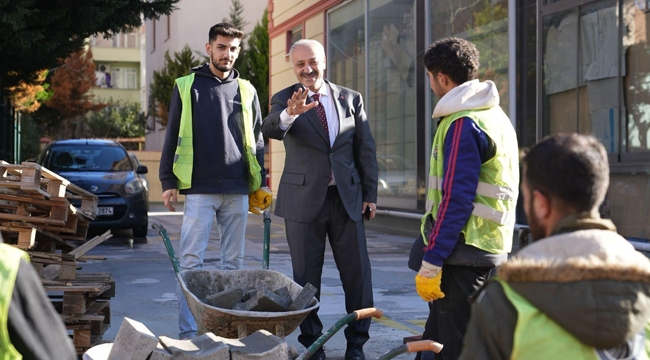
{"x":145,"y":283}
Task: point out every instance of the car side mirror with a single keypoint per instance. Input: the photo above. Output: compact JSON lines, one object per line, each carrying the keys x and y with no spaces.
{"x":142,"y":169}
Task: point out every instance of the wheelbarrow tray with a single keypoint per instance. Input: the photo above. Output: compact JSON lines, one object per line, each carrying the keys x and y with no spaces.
{"x":197,"y":285}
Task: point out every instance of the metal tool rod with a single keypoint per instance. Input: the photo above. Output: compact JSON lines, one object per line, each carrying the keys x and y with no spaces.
{"x":267,"y":239}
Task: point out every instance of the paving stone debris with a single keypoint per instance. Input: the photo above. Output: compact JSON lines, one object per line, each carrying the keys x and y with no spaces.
{"x":226,"y":299}
{"x":134,"y":341}
{"x":256,"y":346}
{"x":304,"y":298}
{"x":205,"y":347}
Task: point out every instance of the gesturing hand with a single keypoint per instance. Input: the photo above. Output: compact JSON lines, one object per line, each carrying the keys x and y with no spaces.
{"x":296,"y":105}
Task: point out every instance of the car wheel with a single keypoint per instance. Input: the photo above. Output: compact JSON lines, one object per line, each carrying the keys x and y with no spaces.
{"x":141,"y":231}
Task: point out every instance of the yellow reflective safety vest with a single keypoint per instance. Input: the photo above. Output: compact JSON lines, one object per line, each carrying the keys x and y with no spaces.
{"x":184,"y":155}
{"x":9,"y":262}
{"x":539,"y":337}
{"x":491,"y":225}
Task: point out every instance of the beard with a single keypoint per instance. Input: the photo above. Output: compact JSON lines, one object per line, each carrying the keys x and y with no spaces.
{"x":536,"y":229}
{"x":220,"y":67}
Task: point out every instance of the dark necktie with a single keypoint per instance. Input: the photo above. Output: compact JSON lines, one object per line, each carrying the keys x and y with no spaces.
{"x":320,"y":110}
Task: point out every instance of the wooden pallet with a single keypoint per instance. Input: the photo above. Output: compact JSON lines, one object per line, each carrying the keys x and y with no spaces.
{"x":86,"y":315}
{"x":35,"y":179}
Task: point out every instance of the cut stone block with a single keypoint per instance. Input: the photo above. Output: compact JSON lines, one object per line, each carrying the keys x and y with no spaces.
{"x":257,"y":346}
{"x":160,"y":354}
{"x":248,"y":294}
{"x":284,"y":293}
{"x":205,"y":347}
{"x":304,"y":298}
{"x":134,"y":341}
{"x":98,"y":352}
{"x":264,"y":300}
{"x":225,"y":299}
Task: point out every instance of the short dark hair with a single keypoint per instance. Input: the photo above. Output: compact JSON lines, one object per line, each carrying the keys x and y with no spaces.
{"x":454,"y":57}
{"x":224,"y":29}
{"x":572,"y":168}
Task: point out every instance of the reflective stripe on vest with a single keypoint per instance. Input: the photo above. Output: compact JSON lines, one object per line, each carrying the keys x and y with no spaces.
{"x":9,"y":262}
{"x":488,"y":190}
{"x":539,"y":337}
{"x":491,"y":224}
{"x":184,"y":155}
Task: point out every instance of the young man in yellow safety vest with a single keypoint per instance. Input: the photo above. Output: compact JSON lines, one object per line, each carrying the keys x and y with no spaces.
{"x":214,"y":155}
{"x":472,"y":191}
{"x":30,"y":327}
{"x":580,"y":291}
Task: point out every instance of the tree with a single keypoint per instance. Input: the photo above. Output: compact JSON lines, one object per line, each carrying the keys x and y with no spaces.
{"x":118,"y":119}
{"x":235,"y":17}
{"x":162,"y":84}
{"x":28,"y":97}
{"x":258,"y":61}
{"x":36,"y":33}
{"x":70,"y":84}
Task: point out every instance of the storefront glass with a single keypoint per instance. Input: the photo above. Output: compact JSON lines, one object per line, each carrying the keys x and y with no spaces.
{"x":389,"y":52}
{"x":484,"y":23}
{"x":596,"y":71}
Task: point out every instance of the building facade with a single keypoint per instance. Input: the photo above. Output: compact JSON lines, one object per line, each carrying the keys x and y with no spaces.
{"x":560,"y":66}
{"x":118,"y":66}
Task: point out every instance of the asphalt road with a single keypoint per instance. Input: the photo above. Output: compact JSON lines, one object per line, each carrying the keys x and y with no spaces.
{"x":145,"y":281}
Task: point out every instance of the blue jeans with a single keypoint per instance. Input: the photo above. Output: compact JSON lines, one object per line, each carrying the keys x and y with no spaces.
{"x":232,"y":213}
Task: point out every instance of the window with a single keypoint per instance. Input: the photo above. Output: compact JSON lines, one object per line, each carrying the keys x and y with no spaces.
{"x":293,"y":35}
{"x":169,"y":27}
{"x":125,"y":78}
{"x":595,"y":75}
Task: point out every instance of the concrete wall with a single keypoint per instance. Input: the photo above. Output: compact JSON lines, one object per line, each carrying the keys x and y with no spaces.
{"x":151,"y":159}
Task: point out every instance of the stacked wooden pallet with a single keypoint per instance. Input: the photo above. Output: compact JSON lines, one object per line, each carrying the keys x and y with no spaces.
{"x":37,"y":215}
{"x":33,"y":195}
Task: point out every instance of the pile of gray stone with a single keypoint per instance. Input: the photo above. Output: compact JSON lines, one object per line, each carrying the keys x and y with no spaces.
{"x":261,"y":299}
{"x":134,"y":341}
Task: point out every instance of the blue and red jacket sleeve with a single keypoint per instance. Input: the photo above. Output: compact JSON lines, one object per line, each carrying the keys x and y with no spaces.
{"x":465,"y":147}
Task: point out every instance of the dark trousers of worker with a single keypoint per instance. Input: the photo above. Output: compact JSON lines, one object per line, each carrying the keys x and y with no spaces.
{"x":449,"y":316}
{"x":348,"y":242}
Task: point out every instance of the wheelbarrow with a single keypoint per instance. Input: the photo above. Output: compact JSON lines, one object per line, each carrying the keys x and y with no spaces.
{"x":198,"y":284}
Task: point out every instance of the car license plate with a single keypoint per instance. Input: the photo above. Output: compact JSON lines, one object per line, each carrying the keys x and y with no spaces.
{"x":105,"y":210}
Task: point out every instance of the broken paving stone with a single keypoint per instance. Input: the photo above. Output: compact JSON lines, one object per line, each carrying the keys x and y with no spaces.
{"x":160,"y":353}
{"x":134,"y":341}
{"x":264,"y":300}
{"x":248,"y":294}
{"x":304,"y":298}
{"x":225,"y":299}
{"x":205,"y":347}
{"x":256,"y":346}
{"x":284,"y":293}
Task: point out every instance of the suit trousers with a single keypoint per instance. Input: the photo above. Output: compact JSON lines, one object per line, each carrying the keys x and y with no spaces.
{"x":449,"y":316}
{"x":347,"y":239}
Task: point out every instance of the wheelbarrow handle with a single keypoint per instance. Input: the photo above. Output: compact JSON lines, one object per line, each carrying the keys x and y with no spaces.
{"x":168,"y":245}
{"x":355,"y":315}
{"x":411,"y":347}
{"x":368,"y":313}
{"x":424,"y":345}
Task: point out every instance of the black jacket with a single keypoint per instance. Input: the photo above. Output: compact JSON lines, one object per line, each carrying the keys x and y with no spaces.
{"x":219,"y":164}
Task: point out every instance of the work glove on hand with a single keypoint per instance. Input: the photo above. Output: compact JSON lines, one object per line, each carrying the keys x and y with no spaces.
{"x":427,"y":282}
{"x":259,"y":200}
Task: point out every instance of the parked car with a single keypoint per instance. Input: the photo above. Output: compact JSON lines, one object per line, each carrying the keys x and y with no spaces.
{"x":104,"y":168}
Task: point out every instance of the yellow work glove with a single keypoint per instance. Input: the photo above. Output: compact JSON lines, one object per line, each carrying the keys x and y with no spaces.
{"x":259,"y":200}
{"x":427,"y":282}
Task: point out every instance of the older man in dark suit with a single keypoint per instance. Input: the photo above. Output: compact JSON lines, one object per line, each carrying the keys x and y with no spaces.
{"x":329,"y":185}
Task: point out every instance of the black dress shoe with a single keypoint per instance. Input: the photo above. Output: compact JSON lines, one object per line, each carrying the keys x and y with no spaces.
{"x":318,"y":355}
{"x":354,"y":354}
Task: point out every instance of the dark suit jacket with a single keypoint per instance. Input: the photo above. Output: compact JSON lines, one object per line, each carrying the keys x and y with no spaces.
{"x":309,"y":157}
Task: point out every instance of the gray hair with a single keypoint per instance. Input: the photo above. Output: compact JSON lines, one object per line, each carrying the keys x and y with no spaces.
{"x":314,"y":44}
